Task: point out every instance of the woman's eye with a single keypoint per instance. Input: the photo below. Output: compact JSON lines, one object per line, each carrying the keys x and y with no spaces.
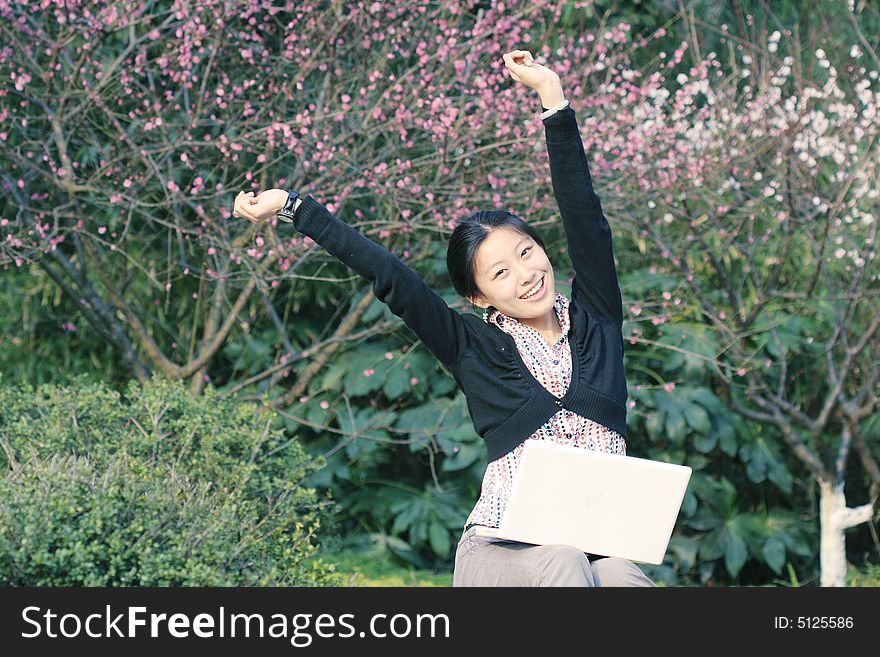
{"x":499,"y":272}
{"x":526,"y":250}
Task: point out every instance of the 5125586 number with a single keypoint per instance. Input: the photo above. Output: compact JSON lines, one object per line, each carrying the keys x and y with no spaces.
{"x":813,"y":622}
{"x":824,"y":622}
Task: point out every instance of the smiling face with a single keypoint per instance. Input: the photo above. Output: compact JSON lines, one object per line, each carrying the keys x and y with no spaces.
{"x":515,"y":276}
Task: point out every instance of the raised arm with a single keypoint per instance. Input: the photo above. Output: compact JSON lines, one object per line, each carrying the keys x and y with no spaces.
{"x":586,"y":228}
{"x":437,"y":325}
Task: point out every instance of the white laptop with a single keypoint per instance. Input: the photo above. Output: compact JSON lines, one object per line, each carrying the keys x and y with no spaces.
{"x":605,"y":504}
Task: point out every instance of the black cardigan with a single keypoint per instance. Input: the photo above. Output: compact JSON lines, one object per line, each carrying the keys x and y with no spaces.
{"x":506,"y":403}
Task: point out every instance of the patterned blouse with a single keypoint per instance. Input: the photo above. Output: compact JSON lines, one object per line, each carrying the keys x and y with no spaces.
{"x":551,"y":365}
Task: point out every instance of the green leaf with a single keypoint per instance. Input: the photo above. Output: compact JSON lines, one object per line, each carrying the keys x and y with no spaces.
{"x":396,"y":383}
{"x":698,"y":418}
{"x":364,"y":385}
{"x":706,"y":398}
{"x":685,"y":549}
{"x":757,"y":468}
{"x":754,"y":458}
{"x":654,"y":425}
{"x":780,"y":476}
{"x":774,"y":554}
{"x":336,"y":467}
{"x":713,"y":544}
{"x":314,"y":413}
{"x":438,"y":537}
{"x":423,"y":418}
{"x":705,"y":443}
{"x":332,"y":378}
{"x":466,"y":456}
{"x":442,"y":385}
{"x":406,"y":519}
{"x":675,"y":426}
{"x":735,"y":552}
{"x":727,"y":437}
{"x":717,"y":496}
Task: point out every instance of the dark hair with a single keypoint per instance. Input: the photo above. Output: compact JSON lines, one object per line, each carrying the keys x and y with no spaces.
{"x":466,"y":239}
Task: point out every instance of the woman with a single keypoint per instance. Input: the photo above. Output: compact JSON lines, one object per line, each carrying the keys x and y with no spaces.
{"x":536,"y":366}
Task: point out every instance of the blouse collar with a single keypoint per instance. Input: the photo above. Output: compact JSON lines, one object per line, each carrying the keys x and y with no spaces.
{"x":560,"y":306}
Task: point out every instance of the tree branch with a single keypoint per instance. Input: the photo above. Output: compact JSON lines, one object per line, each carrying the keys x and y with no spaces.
{"x":344,"y":328}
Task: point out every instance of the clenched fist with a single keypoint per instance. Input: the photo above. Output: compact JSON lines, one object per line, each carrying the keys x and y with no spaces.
{"x":261,"y":207}
{"x":523,"y":68}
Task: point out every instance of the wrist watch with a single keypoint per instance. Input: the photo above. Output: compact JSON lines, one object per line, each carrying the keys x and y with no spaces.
{"x":287,"y":212}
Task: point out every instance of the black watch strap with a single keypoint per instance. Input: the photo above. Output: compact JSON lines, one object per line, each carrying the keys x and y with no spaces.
{"x":286,"y":213}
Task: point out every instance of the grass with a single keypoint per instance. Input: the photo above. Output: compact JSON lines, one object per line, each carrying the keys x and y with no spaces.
{"x":376,"y":568}
{"x":372,"y":564}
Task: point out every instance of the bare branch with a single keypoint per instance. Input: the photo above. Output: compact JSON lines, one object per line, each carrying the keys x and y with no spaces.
{"x":345,"y":327}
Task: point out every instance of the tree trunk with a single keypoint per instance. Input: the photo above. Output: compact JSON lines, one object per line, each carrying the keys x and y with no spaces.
{"x":834,"y":518}
{"x":832,"y":546}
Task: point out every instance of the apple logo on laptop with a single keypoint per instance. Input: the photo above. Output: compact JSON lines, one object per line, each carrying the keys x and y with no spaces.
{"x":595,"y":504}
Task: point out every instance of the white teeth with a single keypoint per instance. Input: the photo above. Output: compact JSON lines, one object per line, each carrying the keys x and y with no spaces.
{"x":534,"y":290}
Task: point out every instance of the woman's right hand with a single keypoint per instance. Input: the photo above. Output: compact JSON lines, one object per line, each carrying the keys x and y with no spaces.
{"x":523,"y":68}
{"x":261,"y":207}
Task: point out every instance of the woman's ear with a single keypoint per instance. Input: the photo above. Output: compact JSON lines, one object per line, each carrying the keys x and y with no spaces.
{"x":479,"y":302}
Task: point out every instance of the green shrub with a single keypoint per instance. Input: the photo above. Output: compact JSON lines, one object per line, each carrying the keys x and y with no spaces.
{"x":155,"y":489}
{"x":867,"y":576}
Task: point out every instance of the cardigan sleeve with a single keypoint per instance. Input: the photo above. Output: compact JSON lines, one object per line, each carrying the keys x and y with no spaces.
{"x":550,"y":112}
{"x":437,"y":325}
{"x":586,"y":229}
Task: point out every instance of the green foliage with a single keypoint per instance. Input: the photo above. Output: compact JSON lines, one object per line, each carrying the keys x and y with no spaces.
{"x":376,"y":470}
{"x":734,"y":536}
{"x":45,"y":336}
{"x":736,"y":522}
{"x":151,"y":489}
{"x":868,"y":576}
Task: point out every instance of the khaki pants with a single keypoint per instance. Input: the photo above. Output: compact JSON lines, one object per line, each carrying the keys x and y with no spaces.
{"x":487,"y":561}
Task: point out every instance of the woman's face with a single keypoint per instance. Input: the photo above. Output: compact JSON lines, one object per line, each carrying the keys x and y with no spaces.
{"x":514,"y":275}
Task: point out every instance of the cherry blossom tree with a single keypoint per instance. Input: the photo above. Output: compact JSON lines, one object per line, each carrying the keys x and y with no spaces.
{"x":760,"y":183}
